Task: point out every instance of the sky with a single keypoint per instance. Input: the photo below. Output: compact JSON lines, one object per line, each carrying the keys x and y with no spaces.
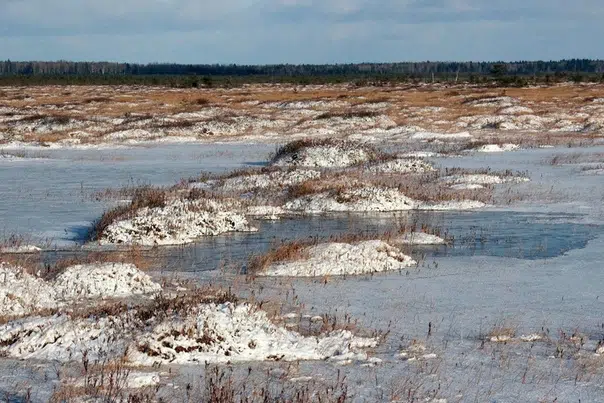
{"x":300,"y":31}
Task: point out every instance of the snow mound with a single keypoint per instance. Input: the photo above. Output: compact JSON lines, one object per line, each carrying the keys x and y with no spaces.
{"x":235,"y":333}
{"x":496,"y":148}
{"x":370,"y":199}
{"x":261,"y":181}
{"x":453,"y":205}
{"x":179,"y":222}
{"x":213,"y":333}
{"x":361,"y":199}
{"x":419,"y":238}
{"x":500,"y":102}
{"x":266,"y":212}
{"x":440,"y":136}
{"x":337,"y":259}
{"x":63,"y":339}
{"x":401,"y":166}
{"x":20,"y":249}
{"x":103,"y":280}
{"x":482,"y":179}
{"x":22,"y":293}
{"x":325,"y":156}
{"x":513,"y":110}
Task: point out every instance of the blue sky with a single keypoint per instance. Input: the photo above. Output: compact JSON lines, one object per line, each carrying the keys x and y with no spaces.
{"x":300,"y":31}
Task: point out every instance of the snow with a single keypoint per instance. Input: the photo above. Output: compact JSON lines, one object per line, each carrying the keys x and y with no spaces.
{"x":362,"y":199}
{"x":482,"y":179}
{"x":20,"y":249}
{"x":496,"y":148}
{"x":419,"y":238}
{"x":368,"y":199}
{"x":213,"y":333}
{"x":103,"y":280}
{"x":265,"y":212}
{"x":401,"y":166}
{"x":513,"y":110}
{"x":440,"y":136}
{"x":496,"y":101}
{"x":337,"y":259}
{"x":236,"y":333}
{"x":179,"y":222}
{"x":326,"y":156}
{"x":22,"y":293}
{"x":62,"y":339}
{"x":276,"y":179}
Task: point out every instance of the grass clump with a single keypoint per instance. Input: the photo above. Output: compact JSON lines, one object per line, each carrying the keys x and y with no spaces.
{"x":146,"y":196}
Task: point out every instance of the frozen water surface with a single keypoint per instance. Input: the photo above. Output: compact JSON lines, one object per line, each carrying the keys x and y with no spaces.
{"x":534,"y":265}
{"x":51,"y":197}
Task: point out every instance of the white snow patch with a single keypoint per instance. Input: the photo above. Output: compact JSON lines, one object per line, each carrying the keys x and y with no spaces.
{"x":467,"y":186}
{"x":337,"y":259}
{"x":103,"y":280}
{"x":401,"y":166}
{"x":277,"y":178}
{"x":362,"y":199}
{"x":496,"y":148}
{"x":329,"y":156}
{"x":440,"y":136}
{"x":179,"y":222}
{"x":420,"y":238}
{"x":482,"y":179}
{"x":20,"y":249}
{"x":368,"y":199}
{"x":235,"y":333}
{"x":22,"y":293}
{"x":531,"y":337}
{"x":514,"y":110}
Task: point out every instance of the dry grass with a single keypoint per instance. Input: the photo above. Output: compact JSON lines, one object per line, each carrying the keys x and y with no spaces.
{"x":405,"y":103}
{"x":146,"y":196}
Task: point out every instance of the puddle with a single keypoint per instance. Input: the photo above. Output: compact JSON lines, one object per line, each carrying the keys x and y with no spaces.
{"x":501,"y":234}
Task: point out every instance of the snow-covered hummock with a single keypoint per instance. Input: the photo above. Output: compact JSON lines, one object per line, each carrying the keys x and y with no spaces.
{"x":369,"y":199}
{"x":495,"y":101}
{"x":103,"y":280}
{"x":513,"y":110}
{"x":211,"y":333}
{"x":235,"y":333}
{"x":440,"y":136}
{"x":419,"y":238}
{"x":496,"y":148}
{"x":325,"y":156}
{"x":22,"y":293}
{"x":360,"y":199}
{"x":63,"y":339}
{"x":179,"y":222}
{"x":277,"y":178}
{"x":20,"y":249}
{"x":401,"y":165}
{"x":482,"y":179}
{"x":338,"y":259}
{"x":265,"y":212}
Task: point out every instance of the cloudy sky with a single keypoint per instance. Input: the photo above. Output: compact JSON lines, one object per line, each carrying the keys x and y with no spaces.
{"x":300,"y":31}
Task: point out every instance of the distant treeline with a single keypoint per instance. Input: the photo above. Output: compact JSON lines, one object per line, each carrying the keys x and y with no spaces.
{"x":518,"y":73}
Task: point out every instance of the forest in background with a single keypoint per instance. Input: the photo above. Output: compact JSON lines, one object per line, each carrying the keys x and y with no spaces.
{"x":204,"y":75}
